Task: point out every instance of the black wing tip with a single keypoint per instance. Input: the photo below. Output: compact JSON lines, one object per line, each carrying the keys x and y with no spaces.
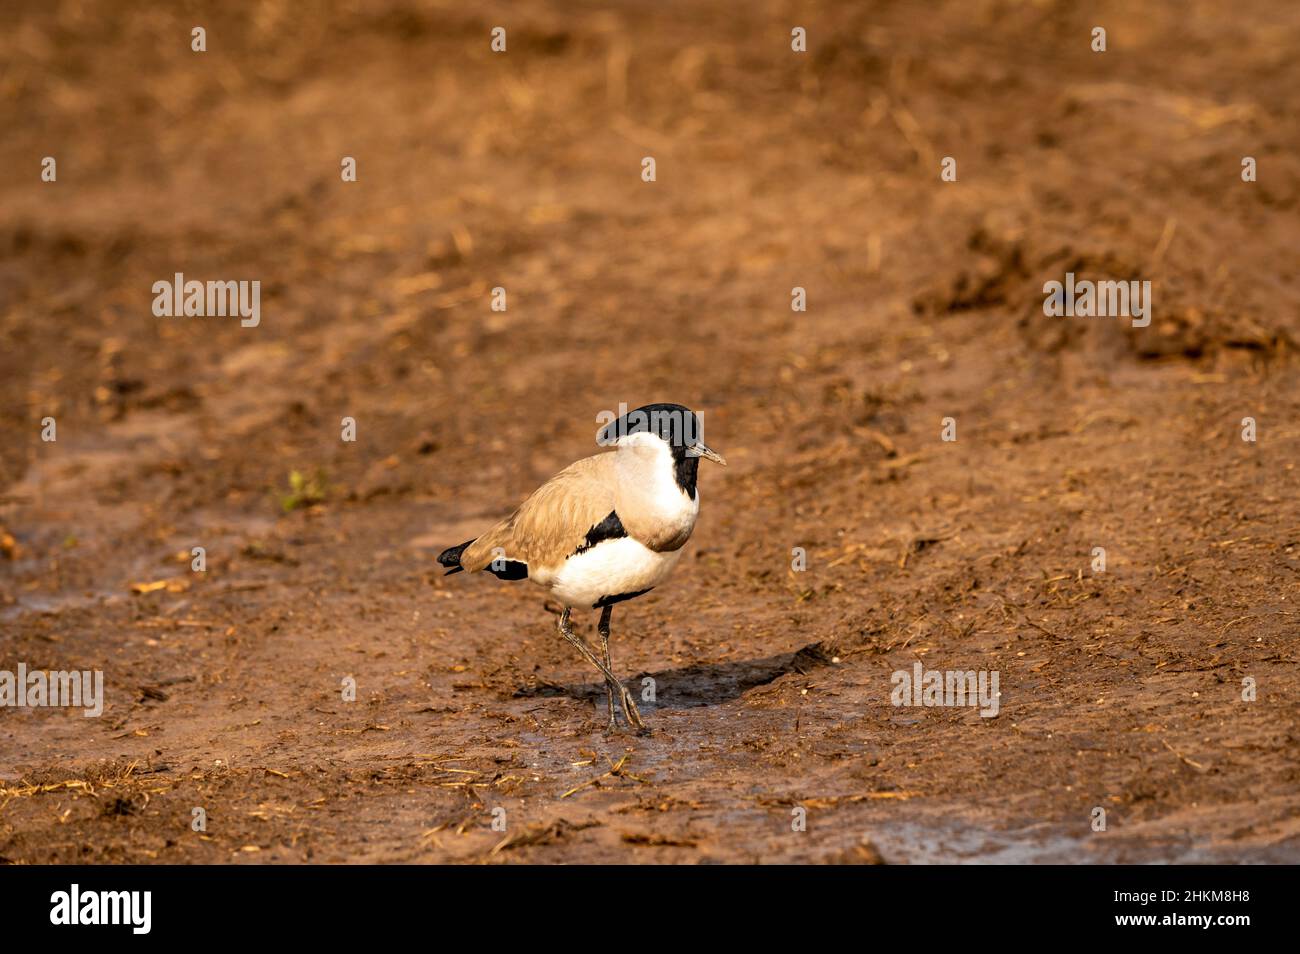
{"x":450,"y":558}
{"x":507,"y":570}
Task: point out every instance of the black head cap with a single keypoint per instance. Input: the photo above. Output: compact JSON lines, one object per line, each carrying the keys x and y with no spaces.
{"x":676,"y":425}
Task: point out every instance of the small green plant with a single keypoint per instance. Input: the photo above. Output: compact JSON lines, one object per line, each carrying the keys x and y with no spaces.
{"x":304,"y":490}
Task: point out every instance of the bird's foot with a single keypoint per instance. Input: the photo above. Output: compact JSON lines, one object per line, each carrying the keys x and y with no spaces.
{"x":631,"y":713}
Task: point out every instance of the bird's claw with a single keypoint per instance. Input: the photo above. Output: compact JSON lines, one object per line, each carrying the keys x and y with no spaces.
{"x":630,"y":713}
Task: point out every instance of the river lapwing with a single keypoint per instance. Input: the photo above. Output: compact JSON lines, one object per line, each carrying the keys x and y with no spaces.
{"x":606,"y":529}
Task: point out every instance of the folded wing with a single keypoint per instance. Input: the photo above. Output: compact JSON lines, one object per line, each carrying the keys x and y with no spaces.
{"x":553,"y":522}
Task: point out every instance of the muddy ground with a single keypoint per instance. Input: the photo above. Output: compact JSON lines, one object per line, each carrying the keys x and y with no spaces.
{"x":1120,"y":690}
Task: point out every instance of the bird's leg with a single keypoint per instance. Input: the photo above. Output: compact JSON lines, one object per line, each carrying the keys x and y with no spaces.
{"x":603,"y":629}
{"x":629,"y":707}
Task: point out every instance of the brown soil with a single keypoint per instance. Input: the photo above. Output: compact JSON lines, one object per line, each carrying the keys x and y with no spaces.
{"x":1120,"y":690}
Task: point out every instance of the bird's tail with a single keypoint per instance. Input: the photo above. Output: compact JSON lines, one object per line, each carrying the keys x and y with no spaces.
{"x":450,"y":558}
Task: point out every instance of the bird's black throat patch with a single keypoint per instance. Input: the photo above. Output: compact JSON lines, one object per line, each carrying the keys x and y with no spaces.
{"x":685,"y":470}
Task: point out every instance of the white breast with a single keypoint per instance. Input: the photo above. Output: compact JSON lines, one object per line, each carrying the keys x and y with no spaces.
{"x":612,"y":568}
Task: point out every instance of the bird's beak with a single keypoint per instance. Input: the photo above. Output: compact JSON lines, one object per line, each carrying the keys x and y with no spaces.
{"x":700,"y":449}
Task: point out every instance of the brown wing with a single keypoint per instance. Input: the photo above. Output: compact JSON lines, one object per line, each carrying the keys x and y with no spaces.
{"x":554,"y":521}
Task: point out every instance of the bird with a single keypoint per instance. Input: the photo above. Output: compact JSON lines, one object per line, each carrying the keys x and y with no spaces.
{"x":604,"y":530}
